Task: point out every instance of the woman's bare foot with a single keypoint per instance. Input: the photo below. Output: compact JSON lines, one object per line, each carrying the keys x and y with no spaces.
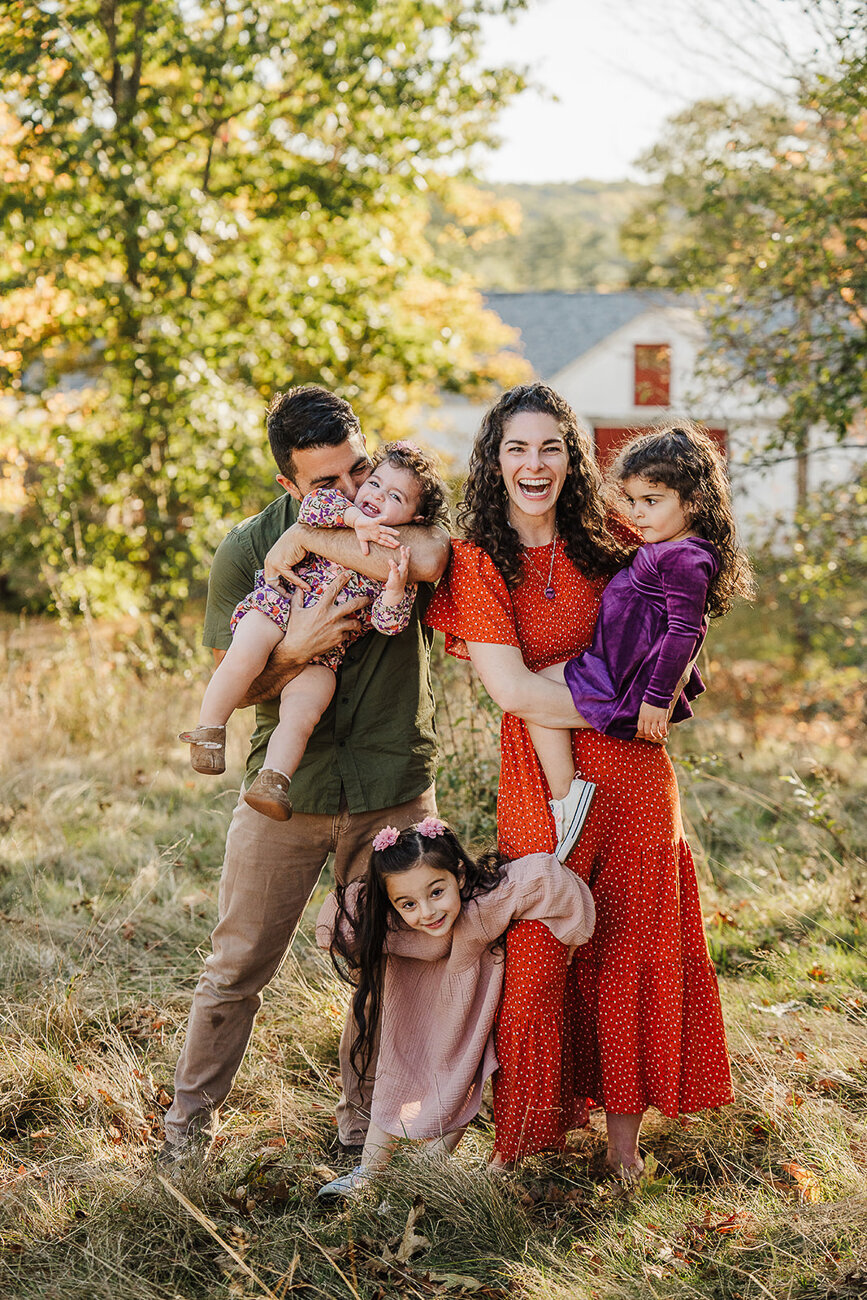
{"x":626,"y":1172}
{"x":623,"y":1158}
{"x":498,"y":1164}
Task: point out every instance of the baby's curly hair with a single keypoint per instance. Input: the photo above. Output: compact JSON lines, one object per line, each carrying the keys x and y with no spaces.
{"x":683,"y":458}
{"x":581,"y":515}
{"x":432,"y":504}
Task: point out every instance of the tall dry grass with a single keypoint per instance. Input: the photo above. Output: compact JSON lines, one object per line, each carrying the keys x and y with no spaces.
{"x":109,"y":862}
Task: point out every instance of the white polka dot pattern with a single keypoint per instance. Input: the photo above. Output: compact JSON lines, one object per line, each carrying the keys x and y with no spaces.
{"x":636,"y":1020}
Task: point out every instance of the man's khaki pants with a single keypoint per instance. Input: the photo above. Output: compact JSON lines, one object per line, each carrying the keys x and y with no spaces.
{"x":269,"y":872}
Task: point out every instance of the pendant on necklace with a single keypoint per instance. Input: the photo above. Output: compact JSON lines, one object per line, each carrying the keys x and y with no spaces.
{"x":548,"y":589}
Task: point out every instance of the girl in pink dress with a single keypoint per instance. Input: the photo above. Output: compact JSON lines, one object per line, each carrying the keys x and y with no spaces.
{"x":403,"y":488}
{"x":419,"y":940}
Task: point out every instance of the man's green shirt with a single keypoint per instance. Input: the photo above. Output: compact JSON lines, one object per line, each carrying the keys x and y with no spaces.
{"x":377,"y":739}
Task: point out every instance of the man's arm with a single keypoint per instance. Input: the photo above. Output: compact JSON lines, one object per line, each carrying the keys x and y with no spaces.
{"x":429,"y":551}
{"x":310,"y":632}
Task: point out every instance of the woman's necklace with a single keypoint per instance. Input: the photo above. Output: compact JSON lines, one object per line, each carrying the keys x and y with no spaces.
{"x":550,"y":593}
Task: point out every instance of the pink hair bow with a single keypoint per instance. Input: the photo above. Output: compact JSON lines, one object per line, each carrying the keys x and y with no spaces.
{"x":431,"y":827}
{"x":385,"y":838}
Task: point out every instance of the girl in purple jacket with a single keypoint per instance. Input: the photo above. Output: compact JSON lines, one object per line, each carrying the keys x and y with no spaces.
{"x":639,"y":673}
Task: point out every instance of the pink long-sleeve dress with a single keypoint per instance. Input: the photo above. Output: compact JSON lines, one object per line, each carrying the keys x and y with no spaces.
{"x":440,"y":996}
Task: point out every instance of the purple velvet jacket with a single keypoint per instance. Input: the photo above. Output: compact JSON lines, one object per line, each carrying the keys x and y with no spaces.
{"x":651,"y":626}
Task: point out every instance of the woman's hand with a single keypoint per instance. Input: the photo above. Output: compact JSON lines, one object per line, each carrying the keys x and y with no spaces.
{"x":652,"y":724}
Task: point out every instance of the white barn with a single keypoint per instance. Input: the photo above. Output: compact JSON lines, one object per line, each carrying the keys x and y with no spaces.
{"x":625,"y":361}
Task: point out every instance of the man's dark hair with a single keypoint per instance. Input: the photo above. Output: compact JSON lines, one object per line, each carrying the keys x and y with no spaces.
{"x":304,"y":417}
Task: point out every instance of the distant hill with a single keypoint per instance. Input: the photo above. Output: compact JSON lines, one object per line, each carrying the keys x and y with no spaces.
{"x":568,"y":238}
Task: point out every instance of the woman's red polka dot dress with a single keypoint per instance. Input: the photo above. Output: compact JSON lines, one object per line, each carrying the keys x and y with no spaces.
{"x":635,"y":1021}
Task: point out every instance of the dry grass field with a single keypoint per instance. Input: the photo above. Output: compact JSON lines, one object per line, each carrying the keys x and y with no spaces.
{"x":109,"y":862}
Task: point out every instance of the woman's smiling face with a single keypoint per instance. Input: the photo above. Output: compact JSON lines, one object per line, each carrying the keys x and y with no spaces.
{"x":534,"y":461}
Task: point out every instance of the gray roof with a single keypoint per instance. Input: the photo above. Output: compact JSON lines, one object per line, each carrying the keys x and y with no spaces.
{"x":556,"y":328}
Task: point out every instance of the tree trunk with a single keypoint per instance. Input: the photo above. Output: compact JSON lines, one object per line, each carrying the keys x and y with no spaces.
{"x":801,"y":629}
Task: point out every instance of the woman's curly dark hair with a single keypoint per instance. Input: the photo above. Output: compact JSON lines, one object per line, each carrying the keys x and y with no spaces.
{"x":581,"y":512}
{"x":432,"y":503}
{"x":682,"y":457}
{"x":358,"y":946}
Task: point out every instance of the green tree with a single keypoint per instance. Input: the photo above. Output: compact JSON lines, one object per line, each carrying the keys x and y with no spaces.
{"x":202,"y":203}
{"x":820,"y":571}
{"x":760,"y":211}
{"x":520,"y":238}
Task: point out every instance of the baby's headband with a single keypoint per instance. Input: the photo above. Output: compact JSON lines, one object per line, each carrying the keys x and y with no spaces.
{"x":430,"y":828}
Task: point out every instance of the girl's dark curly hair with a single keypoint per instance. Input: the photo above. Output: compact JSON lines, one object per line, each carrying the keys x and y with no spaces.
{"x":581,"y":512}
{"x":682,"y":457}
{"x":358,"y":946}
{"x":432,"y":504}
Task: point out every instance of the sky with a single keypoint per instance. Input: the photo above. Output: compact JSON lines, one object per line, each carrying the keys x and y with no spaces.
{"x":619,"y":68}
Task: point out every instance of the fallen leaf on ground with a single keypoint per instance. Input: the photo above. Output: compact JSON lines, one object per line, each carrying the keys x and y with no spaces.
{"x":402,"y":1250}
{"x":834,"y":1079}
{"x":806,"y":1181}
{"x":454,"y":1282}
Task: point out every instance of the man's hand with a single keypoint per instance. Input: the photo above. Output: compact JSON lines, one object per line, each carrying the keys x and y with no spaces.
{"x":652,"y":723}
{"x":311,"y":632}
{"x":322,"y":626}
{"x":287,"y":551}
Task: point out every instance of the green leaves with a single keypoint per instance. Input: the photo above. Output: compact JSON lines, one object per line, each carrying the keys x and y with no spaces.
{"x":200,"y":206}
{"x":760,"y":210}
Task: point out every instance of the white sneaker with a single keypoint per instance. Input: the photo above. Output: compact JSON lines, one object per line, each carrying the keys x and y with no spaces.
{"x":347,"y":1185}
{"x":570,"y":814}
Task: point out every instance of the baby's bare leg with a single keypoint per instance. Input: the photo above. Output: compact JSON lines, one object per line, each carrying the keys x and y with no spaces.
{"x":553,"y":746}
{"x":255,"y":637}
{"x":302,"y":703}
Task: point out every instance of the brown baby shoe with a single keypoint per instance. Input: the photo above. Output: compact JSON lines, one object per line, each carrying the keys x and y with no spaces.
{"x":269,"y":794}
{"x":207,"y":749}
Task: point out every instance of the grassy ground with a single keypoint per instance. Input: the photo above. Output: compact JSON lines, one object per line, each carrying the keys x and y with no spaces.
{"x":109,"y":861}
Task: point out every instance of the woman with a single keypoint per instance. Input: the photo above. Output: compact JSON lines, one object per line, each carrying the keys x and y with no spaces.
{"x":635,"y":1020}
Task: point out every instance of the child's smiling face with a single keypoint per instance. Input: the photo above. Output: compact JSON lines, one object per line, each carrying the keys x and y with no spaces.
{"x":389,"y":494}
{"x":426,"y":898}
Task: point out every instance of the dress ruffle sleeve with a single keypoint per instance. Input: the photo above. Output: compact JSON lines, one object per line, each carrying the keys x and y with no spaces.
{"x":391,"y":619}
{"x":324,"y":508}
{"x":472,"y":602}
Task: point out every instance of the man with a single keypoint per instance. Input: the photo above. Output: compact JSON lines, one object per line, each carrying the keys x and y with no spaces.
{"x":370,"y":761}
